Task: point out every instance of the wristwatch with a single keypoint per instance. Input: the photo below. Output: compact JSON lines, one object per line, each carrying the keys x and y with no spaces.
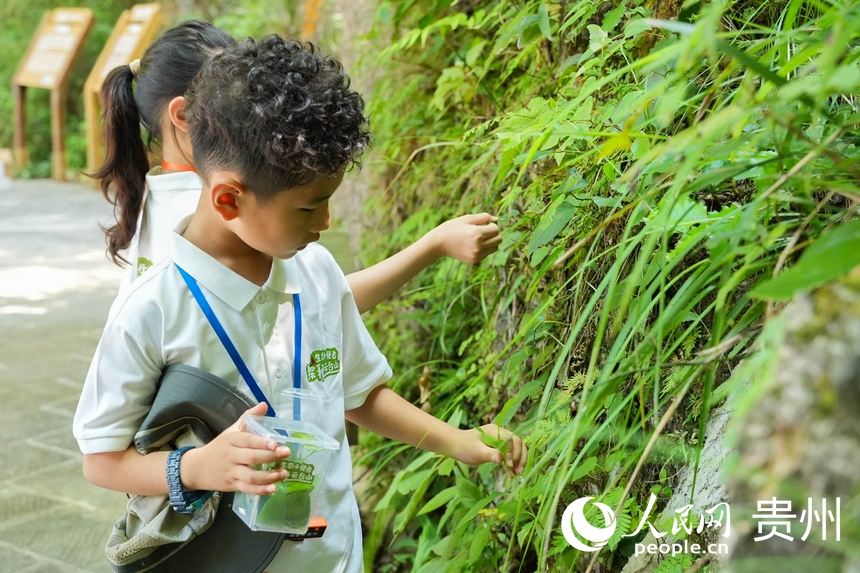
{"x":182,"y":500}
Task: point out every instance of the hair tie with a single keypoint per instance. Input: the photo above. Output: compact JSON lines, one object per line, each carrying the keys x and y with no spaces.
{"x":135,"y":67}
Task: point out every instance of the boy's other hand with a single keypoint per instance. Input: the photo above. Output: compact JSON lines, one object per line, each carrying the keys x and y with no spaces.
{"x":470,"y":238}
{"x":224,"y":463}
{"x":490,"y":443}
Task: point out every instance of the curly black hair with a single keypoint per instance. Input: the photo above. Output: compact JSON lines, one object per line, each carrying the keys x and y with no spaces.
{"x":277,"y":113}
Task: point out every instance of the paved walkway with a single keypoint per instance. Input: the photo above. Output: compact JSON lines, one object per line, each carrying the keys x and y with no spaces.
{"x":55,"y":290}
{"x":56,"y":287}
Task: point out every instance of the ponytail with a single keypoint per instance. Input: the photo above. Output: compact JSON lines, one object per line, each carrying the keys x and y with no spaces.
{"x":164,"y":72}
{"x":126,"y":162}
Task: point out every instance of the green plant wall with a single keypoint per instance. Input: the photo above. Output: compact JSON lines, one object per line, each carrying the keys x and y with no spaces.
{"x":653,"y":165}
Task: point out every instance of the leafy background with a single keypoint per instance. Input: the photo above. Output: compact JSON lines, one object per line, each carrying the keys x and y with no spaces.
{"x":653,"y":165}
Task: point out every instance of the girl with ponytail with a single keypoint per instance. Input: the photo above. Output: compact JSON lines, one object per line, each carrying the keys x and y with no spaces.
{"x":148,"y":203}
{"x":141,"y":196}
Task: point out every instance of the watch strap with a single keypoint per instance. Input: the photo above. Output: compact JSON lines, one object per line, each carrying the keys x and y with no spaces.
{"x":182,"y":500}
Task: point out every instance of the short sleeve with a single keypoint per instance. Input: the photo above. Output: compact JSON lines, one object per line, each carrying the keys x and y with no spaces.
{"x":117,"y":394}
{"x":364,"y":366}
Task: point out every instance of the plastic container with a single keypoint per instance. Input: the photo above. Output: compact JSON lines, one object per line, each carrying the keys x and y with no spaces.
{"x":300,"y":404}
{"x":291,"y":507}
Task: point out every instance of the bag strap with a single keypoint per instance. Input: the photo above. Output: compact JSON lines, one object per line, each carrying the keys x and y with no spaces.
{"x":237,"y":358}
{"x":297,"y":356}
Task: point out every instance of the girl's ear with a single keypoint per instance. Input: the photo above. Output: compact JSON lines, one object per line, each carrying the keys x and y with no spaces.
{"x":226,"y":194}
{"x":176,"y":112}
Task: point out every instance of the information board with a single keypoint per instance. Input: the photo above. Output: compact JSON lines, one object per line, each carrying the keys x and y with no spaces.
{"x":134,"y":31}
{"x":54,"y":48}
{"x":46,"y":65}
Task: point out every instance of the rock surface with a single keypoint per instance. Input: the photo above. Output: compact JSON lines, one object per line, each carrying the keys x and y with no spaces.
{"x":800,"y":443}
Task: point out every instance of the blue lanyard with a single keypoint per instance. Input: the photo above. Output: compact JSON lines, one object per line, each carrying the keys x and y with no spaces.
{"x":234,"y":354}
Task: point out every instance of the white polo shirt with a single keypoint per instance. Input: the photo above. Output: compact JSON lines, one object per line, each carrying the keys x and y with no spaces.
{"x":157,"y":322}
{"x":169,"y":198}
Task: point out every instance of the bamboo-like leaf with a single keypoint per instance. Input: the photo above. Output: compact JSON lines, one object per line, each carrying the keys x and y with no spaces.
{"x":833,"y":255}
{"x":439,"y":500}
{"x":543,"y":21}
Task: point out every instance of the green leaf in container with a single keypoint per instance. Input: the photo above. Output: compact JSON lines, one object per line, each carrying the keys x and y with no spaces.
{"x":827,"y":259}
{"x":287,"y":508}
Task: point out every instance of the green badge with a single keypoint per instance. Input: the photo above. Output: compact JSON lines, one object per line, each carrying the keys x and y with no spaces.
{"x":142,"y":265}
{"x":324,"y":363}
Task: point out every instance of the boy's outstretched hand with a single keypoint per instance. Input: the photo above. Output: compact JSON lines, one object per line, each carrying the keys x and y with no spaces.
{"x":389,"y":415}
{"x":490,"y":443}
{"x":470,"y":238}
{"x":224,"y":463}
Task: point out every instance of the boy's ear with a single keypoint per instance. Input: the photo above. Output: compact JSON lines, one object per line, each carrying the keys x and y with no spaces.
{"x":176,"y":112}
{"x":226,"y":194}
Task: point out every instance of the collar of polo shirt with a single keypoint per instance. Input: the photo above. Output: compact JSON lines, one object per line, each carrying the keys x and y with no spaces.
{"x":234,"y":289}
{"x":160,"y":182}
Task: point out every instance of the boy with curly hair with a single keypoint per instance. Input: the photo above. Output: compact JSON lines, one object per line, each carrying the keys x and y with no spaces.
{"x":273,"y":126}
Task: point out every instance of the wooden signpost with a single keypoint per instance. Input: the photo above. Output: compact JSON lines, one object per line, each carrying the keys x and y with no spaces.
{"x":133,"y":32}
{"x":46,"y":65}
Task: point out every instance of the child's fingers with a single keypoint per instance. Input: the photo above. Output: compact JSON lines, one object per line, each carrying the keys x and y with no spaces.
{"x":493,"y":455}
{"x":252,"y":441}
{"x":261,"y":477}
{"x":517,"y":456}
{"x":492,"y":242}
{"x":248,"y":456}
{"x":258,"y":410}
{"x":256,"y":489}
{"x":240,"y":425}
{"x":479,"y":218}
{"x":489,"y":231}
{"x":524,"y":457}
{"x":489,"y":248}
{"x":510,"y":449}
{"x":259,"y":482}
{"x":486,"y":251}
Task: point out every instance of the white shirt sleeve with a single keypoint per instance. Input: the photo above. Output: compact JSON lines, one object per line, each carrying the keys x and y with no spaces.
{"x":364,"y":366}
{"x":117,"y":394}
